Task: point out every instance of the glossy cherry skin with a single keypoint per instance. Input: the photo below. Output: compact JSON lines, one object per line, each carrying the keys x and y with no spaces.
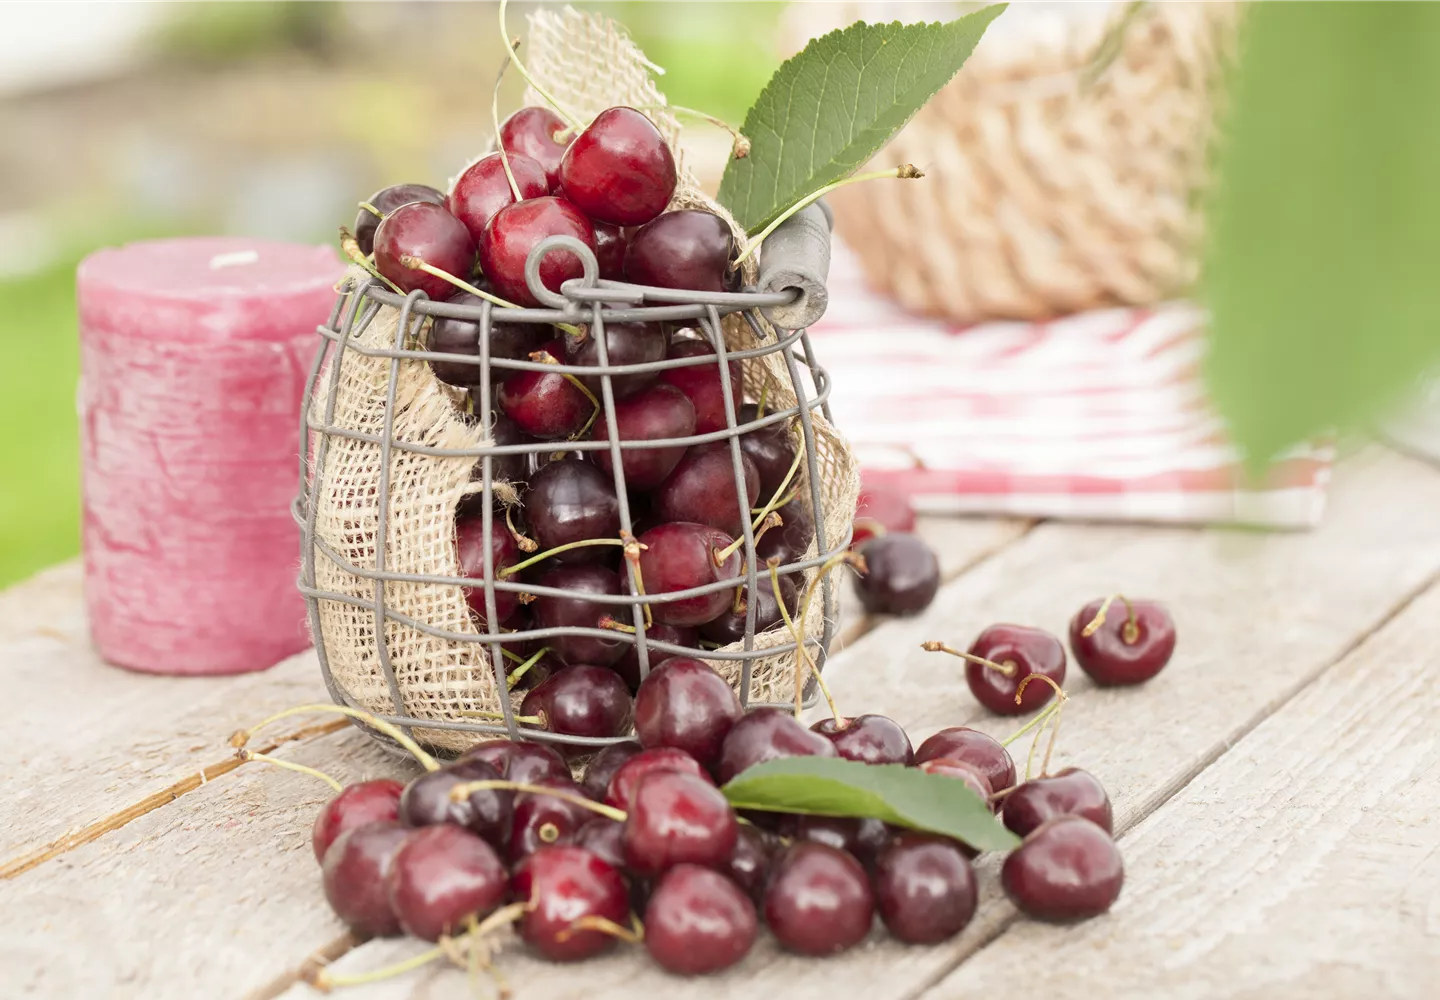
{"x":771,"y":448}
{"x":603,"y":765}
{"x":470,"y":546}
{"x":354,"y":873}
{"x":440,"y":877}
{"x":426,"y":801}
{"x":430,"y":233}
{"x":970,"y":746}
{"x":960,"y":771}
{"x":924,"y":888}
{"x":620,"y":793}
{"x":582,"y":700}
{"x":861,"y":837}
{"x":657,"y":412}
{"x":531,"y":132}
{"x":879,"y":511}
{"x":1031,"y":651}
{"x":625,"y":344}
{"x":541,"y":820}
{"x":628,"y":665}
{"x":686,"y":705}
{"x":387,"y":200}
{"x":730,"y":626}
{"x":1066,"y":869}
{"x":610,"y":244}
{"x":620,"y":169}
{"x":1071,"y":792}
{"x":519,"y":760}
{"x":818,"y":901}
{"x":702,"y":385}
{"x":679,"y":555}
{"x":462,"y":336}
{"x":703,"y":488}
{"x":901,"y":577}
{"x":483,"y":189}
{"x":564,"y":884}
{"x":767,"y":734}
{"x":1123,"y":650}
{"x":873,"y":739}
{"x":576,"y":611}
{"x":677,"y":818}
{"x":687,"y":248}
{"x":602,"y":837}
{"x":698,"y":922}
{"x":514,"y":232}
{"x":568,"y":501}
{"x":792,"y":539}
{"x":545,"y":404}
{"x":365,"y":802}
{"x":749,"y":863}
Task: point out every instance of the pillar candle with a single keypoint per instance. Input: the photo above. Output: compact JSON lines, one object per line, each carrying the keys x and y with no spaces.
{"x":193,"y":359}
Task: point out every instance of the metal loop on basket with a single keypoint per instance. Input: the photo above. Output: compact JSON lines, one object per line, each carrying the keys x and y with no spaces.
{"x":545,"y":296}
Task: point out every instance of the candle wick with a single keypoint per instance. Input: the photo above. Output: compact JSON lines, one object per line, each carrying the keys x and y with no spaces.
{"x":234,"y":259}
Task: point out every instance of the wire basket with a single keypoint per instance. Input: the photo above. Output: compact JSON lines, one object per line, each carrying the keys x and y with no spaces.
{"x":745,"y":326}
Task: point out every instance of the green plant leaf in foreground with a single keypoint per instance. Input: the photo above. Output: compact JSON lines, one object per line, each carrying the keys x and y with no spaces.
{"x":830,"y":108}
{"x":905,"y":796}
{"x":1321,"y":273}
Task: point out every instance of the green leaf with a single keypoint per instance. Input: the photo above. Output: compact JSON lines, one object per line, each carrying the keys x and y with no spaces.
{"x":831,"y":107}
{"x":905,"y":796}
{"x":1321,"y":273}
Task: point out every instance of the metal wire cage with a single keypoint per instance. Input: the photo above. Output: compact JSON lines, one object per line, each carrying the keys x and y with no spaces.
{"x":594,"y":302}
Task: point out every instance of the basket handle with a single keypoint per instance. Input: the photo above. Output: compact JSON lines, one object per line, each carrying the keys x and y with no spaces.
{"x":797,"y":256}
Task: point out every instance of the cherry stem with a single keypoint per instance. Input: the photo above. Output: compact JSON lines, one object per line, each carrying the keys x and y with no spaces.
{"x":770,"y":519}
{"x":802,"y":655}
{"x":548,"y":833}
{"x":485,"y":713}
{"x":545,"y":357}
{"x":371,"y":209}
{"x":852,"y":559}
{"x":1008,"y":668}
{"x":775,"y":501}
{"x":464,"y":790}
{"x":522,"y":541}
{"x":906,"y":171}
{"x":325,"y":982}
{"x":495,"y":118}
{"x":568,"y":546}
{"x":634,"y":934}
{"x":632,"y":551}
{"x":740,"y":144}
{"x":351,"y":248}
{"x":520,"y":67}
{"x":760,"y":404}
{"x":242,"y":736}
{"x":523,"y":669}
{"x":1129,"y":632}
{"x":614,"y":626}
{"x":1038,"y":720}
{"x":511,"y":655}
{"x":1025,"y":681}
{"x":416,"y":264}
{"x":244,"y":754}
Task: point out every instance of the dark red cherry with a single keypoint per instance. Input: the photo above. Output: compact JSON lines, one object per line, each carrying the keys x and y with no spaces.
{"x":365,"y":802}
{"x":1133,"y":645}
{"x":514,"y":232}
{"x":688,"y":248}
{"x":749,"y":863}
{"x":531,"y":132}
{"x":602,"y":837}
{"x":545,"y":404}
{"x":610,"y":244}
{"x":625,"y":344}
{"x":792,"y":539}
{"x":564,"y":885}
{"x":1066,"y":869}
{"x":704,"y":488}
{"x":628,"y":666}
{"x":471,"y":548}
{"x":924,"y":888}
{"x":568,"y":501}
{"x":603,"y":765}
{"x":577,"y":611}
{"x":970,"y":746}
{"x":862,"y":837}
{"x":354,"y":873}
{"x":1023,"y":651}
{"x":730,"y":626}
{"x":513,"y":469}
{"x":426,"y":801}
{"x":519,"y":760}
{"x":541,"y":819}
{"x":430,"y":233}
{"x":767,"y":734}
{"x":771,"y":448}
{"x":442,"y":876}
{"x":582,"y":700}
{"x":698,"y":921}
{"x":620,"y":169}
{"x":685,"y":704}
{"x":960,"y":771}
{"x":901,"y":576}
{"x":677,"y":818}
{"x":483,"y":189}
{"x":1071,"y":792}
{"x":874,"y":739}
{"x":701,"y":383}
{"x":879,"y":511}
{"x":818,"y":901}
{"x":620,"y":793}
{"x":680,"y":555}
{"x":657,"y":412}
{"x":462,"y":336}
{"x":387,"y":200}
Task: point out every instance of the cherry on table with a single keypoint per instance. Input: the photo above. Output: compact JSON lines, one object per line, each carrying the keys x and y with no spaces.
{"x":610,"y":244}
{"x":749,"y":863}
{"x":521,"y":761}
{"x":970,"y":746}
{"x":901,"y":577}
{"x":429,"y":232}
{"x":698,"y":921}
{"x":619,"y":169}
{"x":354,"y":873}
{"x":679,"y":555}
{"x":575,"y":610}
{"x":440,"y":877}
{"x":582,"y":700}
{"x":603,"y":837}
{"x":364,"y":802}
{"x":657,"y":412}
{"x":545,"y":404}
{"x":1021,"y":651}
{"x":563,"y":885}
{"x":860,"y":836}
{"x":703,"y":488}
{"x":625,"y":344}
{"x":677,"y":818}
{"x":1123,"y":649}
{"x":924,"y":888}
{"x":819,"y":900}
{"x":603,"y":765}
{"x":767,"y":734}
{"x":516,"y":229}
{"x":771,"y":448}
{"x":483,"y":189}
{"x":873,"y":739}
{"x":1066,"y":869}
{"x":569,"y":501}
{"x":487,"y":813}
{"x":620,"y":793}
{"x":688,"y":248}
{"x":879,"y":510}
{"x":472,"y":548}
{"x":546,"y":819}
{"x":686,"y":705}
{"x":1071,"y":792}
{"x":628,"y":665}
{"x":789,"y":542}
{"x":386,"y":200}
{"x":730,"y":626}
{"x":531,"y":132}
{"x":701,"y":383}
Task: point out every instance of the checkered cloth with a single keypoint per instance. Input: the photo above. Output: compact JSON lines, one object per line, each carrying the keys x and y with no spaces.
{"x":1101,"y":415}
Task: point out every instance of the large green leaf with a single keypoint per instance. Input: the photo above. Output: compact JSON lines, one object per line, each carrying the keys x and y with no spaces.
{"x":904,"y":796}
{"x":831,"y":107}
{"x":1323,"y":270}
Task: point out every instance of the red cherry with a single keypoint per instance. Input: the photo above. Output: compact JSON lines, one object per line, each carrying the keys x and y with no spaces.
{"x":582,"y":700}
{"x":901,"y":576}
{"x":471,"y":548}
{"x":610,"y":244}
{"x":518,"y":760}
{"x":925,"y":888}
{"x":960,"y":771}
{"x":767,"y":734}
{"x":819,"y":900}
{"x":1127,"y":648}
{"x":861,"y":837}
{"x":1071,"y":792}
{"x":1066,"y":869}
{"x":703,"y":488}
{"x":730,"y":626}
{"x":531,"y":132}
{"x":882,"y":507}
{"x":688,"y":248}
{"x":602,"y":837}
{"x":874,"y":739}
{"x":620,"y":793}
{"x":545,"y":404}
{"x":685,"y":704}
{"x":515,"y":230}
{"x":680,"y":555}
{"x":1023,"y":651}
{"x":676,"y":818}
{"x":354,"y":873}
{"x":546,"y":819}
{"x":387,"y":200}
{"x":771,"y":448}
{"x":440,"y":877}
{"x":580,"y":610}
{"x":430,"y":233}
{"x":701,"y":384}
{"x":625,"y":344}
{"x":749,"y":863}
{"x":792,"y":539}
{"x":483,"y":189}
{"x":565,"y":884}
{"x":603,"y":765}
{"x":365,"y":802}
{"x":698,"y":921}
{"x":970,"y":746}
{"x":656,"y":412}
{"x":629,"y":665}
{"x":426,"y":801}
{"x":620,"y":169}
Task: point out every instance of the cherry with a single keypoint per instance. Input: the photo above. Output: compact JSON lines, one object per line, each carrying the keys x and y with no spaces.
{"x":430,"y":233}
{"x":679,"y":555}
{"x":470,"y":546}
{"x":516,"y":229}
{"x":426,"y":801}
{"x":659,"y":411}
{"x":440,"y":877}
{"x":568,"y":501}
{"x":620,"y":793}
{"x":818,"y":901}
{"x":483,"y":189}
{"x":602,"y":837}
{"x":577,"y":611}
{"x":970,"y":746}
{"x":862,"y":837}
{"x":874,"y":739}
{"x":1071,"y":792}
{"x":901,"y":577}
{"x":924,"y":888}
{"x":792,"y":539}
{"x":701,"y":383}
{"x":545,"y":404}
{"x":767,"y":734}
{"x":603,"y":765}
{"x":462,"y":336}
{"x":629,"y":665}
{"x":1022,"y":651}
{"x":879,"y":511}
{"x":960,"y":771}
{"x":677,"y":818}
{"x":730,"y":626}
{"x":685,"y":704}
{"x":1125,"y":649}
{"x":625,"y":344}
{"x":546,"y":819}
{"x":620,"y":169}
{"x":1067,"y":868}
{"x":698,"y":921}
{"x":354,"y":874}
{"x":564,"y":885}
{"x":581,"y":700}
{"x":366,"y":802}
{"x":702,"y":488}
{"x":538,"y":672}
{"x":531,"y":132}
{"x":749,"y":863}
{"x":771,"y":448}
{"x":520,"y":761}
{"x":688,"y":248}
{"x":610,"y":244}
{"x":387,"y":200}
{"x":513,"y":469}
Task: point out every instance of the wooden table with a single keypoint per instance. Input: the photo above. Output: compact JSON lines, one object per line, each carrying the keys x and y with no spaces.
{"x":1276,"y":789}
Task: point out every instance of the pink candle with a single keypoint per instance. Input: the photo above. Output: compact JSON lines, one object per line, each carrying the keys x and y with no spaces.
{"x":194,"y":354}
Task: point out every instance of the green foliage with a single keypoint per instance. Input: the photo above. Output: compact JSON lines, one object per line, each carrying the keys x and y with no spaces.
{"x":904,"y":796}
{"x":223,"y":31}
{"x":831,"y":107}
{"x":1321,"y":272}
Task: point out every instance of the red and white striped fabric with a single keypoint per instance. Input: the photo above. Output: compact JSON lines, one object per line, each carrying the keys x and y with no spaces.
{"x":1100,"y":415}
